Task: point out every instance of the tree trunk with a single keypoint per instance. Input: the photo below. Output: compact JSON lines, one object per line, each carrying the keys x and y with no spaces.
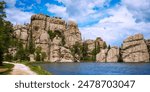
{"x":1,"y":63}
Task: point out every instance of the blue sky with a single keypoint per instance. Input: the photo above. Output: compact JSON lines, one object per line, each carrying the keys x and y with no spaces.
{"x":112,"y":20}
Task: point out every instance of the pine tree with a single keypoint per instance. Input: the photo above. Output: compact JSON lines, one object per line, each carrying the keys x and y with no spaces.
{"x":5,"y":32}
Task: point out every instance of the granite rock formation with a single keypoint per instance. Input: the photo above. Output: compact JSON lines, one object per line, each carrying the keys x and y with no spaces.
{"x":54,"y":48}
{"x":108,"y":55}
{"x":22,"y":33}
{"x":134,"y":49}
{"x":102,"y":56}
{"x":113,"y":54}
{"x":94,"y":44}
{"x":56,"y":38}
{"x":72,"y":34}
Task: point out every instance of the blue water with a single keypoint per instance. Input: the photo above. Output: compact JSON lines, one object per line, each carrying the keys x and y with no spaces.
{"x":97,"y":68}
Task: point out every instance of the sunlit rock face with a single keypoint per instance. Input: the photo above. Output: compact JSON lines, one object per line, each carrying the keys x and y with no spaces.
{"x":135,"y":49}
{"x":58,"y":48}
{"x":54,"y":48}
{"x":72,"y":34}
{"x":102,"y":55}
{"x":108,"y":55}
{"x":21,"y":32}
{"x":113,"y":54}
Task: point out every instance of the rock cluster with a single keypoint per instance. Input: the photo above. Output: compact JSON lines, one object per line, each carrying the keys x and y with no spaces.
{"x":58,"y":48}
{"x":54,"y":49}
{"x":92,"y":44}
{"x":134,"y":49}
{"x":108,"y":55}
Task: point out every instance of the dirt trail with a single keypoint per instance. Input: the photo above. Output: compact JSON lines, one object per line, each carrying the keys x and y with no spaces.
{"x":21,"y":69}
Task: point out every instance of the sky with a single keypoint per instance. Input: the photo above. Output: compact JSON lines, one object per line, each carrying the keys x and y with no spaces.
{"x":112,"y":20}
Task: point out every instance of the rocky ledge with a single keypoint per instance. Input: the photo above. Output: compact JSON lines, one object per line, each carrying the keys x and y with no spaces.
{"x":134,"y":49}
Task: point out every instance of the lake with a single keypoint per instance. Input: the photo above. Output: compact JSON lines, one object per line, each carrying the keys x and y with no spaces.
{"x":97,"y":68}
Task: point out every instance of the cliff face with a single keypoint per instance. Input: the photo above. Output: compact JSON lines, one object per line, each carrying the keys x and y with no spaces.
{"x":108,"y":55}
{"x":134,"y":49}
{"x":56,"y":45}
{"x":56,"y":40}
{"x":41,"y":23}
{"x":72,"y":34}
{"x":91,"y":44}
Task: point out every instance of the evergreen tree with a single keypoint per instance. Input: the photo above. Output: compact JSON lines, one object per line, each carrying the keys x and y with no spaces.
{"x":109,"y":47}
{"x":84,"y":51}
{"x":104,"y":45}
{"x":5,"y":32}
{"x":31,"y":44}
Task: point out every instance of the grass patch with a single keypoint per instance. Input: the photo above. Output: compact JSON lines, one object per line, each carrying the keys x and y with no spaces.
{"x":6,"y":68}
{"x":38,"y":69}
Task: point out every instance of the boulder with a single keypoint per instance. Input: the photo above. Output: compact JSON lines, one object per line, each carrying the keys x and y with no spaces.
{"x":134,"y":49}
{"x":32,"y":58}
{"x":102,"y":55}
{"x":113,"y":54}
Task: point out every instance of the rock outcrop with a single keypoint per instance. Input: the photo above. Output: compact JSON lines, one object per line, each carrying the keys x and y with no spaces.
{"x":90,"y":44}
{"x":70,"y":30}
{"x":53,"y":47}
{"x":108,"y":55}
{"x":134,"y":49}
{"x":72,"y":34}
{"x":22,"y":33}
{"x":66,"y":55}
{"x":113,"y":54}
{"x":102,"y":56}
{"x":57,"y":39}
{"x":94,"y":45}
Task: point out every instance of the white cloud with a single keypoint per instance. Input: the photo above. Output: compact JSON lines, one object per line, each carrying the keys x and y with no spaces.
{"x":16,"y":16}
{"x":117,"y":27}
{"x":83,"y":10}
{"x":58,"y":10}
{"x":139,"y":8}
{"x":121,"y":22}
